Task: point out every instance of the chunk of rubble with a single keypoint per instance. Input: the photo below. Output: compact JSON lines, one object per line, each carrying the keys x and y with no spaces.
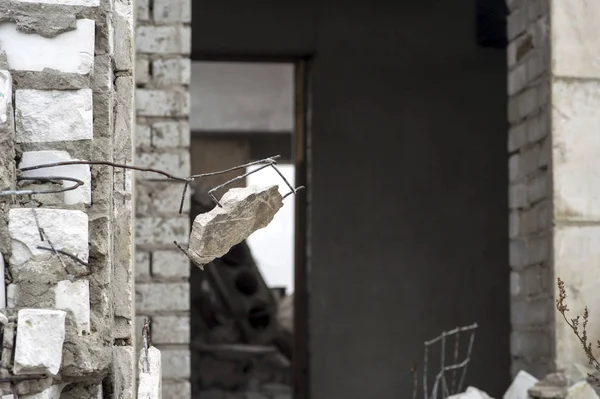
{"x":581,"y":390}
{"x":520,"y":386}
{"x":150,"y":373}
{"x":244,"y":210}
{"x":471,"y":393}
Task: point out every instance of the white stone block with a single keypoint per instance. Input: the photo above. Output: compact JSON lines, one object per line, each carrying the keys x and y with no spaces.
{"x":575,"y":148}
{"x":75,"y":296}
{"x":575,"y":38}
{"x":5,"y":95}
{"x":150,"y":372}
{"x":67,"y":229}
{"x":82,"y":194}
{"x":53,"y":115}
{"x":520,"y":385}
{"x":50,"y":393}
{"x":471,"y":393}
{"x":72,"y":51}
{"x":40,"y":337}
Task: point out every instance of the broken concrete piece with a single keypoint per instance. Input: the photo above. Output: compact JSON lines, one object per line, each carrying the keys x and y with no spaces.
{"x":150,"y":371}
{"x":51,"y":393}
{"x":75,"y":296}
{"x":244,"y":210}
{"x":521,"y":384}
{"x":471,"y":393}
{"x":40,"y":338}
{"x":581,"y":390}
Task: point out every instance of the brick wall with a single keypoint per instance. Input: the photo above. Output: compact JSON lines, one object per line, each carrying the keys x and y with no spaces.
{"x":529,"y":146}
{"x":71,"y":98}
{"x":162,"y":141}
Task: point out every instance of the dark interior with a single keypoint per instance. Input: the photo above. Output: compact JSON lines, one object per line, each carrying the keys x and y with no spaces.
{"x":407,"y":223}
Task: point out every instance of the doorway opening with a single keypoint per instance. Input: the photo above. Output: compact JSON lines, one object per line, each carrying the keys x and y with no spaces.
{"x":242,"y":305}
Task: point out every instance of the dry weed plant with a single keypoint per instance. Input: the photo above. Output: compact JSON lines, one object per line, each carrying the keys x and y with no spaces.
{"x":580,"y":329}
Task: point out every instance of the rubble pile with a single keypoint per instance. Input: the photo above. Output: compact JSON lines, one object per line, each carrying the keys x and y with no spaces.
{"x":571,"y":383}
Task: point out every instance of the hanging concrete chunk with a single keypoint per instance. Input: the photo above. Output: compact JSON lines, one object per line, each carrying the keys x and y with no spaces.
{"x":40,"y":338}
{"x":150,"y":385}
{"x":244,"y":210}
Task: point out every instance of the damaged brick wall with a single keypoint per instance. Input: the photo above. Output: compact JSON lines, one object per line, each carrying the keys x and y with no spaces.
{"x":71,"y":98}
{"x":162,"y":140}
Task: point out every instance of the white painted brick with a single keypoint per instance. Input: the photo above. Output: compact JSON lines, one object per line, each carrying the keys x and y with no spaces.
{"x":160,"y":197}
{"x":162,"y":103}
{"x":170,"y":134}
{"x":88,"y":3}
{"x":82,"y":194}
{"x":176,"y":363}
{"x":163,"y":39}
{"x":180,"y":390}
{"x":527,"y":102}
{"x":172,"y":71}
{"x":143,"y":136}
{"x":517,"y":23}
{"x":53,"y":115}
{"x":123,"y":36}
{"x":170,"y":264}
{"x":172,"y":11}
{"x":157,"y":230}
{"x":152,"y":297}
{"x":142,"y":265}
{"x":71,"y":51}
{"x":517,"y":196}
{"x":150,"y":372}
{"x":171,"y":329}
{"x":517,"y":79}
{"x":513,"y":167}
{"x":142,"y":72}
{"x":75,"y":297}
{"x":5,"y":95}
{"x":40,"y":337}
{"x":67,"y":229}
{"x":175,"y":163}
{"x":517,"y":136}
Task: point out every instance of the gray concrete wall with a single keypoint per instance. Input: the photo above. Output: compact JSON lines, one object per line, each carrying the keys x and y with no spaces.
{"x":408,"y":187}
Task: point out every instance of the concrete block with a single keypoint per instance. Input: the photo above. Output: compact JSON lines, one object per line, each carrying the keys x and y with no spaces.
{"x":163,"y":39}
{"x":178,"y":390}
{"x":520,"y":385}
{"x":151,"y":231}
{"x":517,"y":22}
{"x":171,"y":330}
{"x":575,"y":145}
{"x":5,"y":96}
{"x":50,"y":393}
{"x":67,"y":229}
{"x":160,"y":197}
{"x":142,"y":10}
{"x":71,"y":51}
{"x":575,"y":39}
{"x":517,"y":79}
{"x":142,"y":71}
{"x":75,"y":297}
{"x":243,"y":211}
{"x":176,"y":363}
{"x":40,"y":337}
{"x":176,"y":162}
{"x":53,"y":115}
{"x":170,"y":264}
{"x":151,"y":297}
{"x":88,"y":3}
{"x":162,"y":103}
{"x":172,"y":11}
{"x":123,"y":372}
{"x":142,"y":265}
{"x":82,"y":194}
{"x":172,"y":71}
{"x":150,"y":374}
{"x":170,"y":134}
{"x":123,"y":36}
{"x":143,"y":136}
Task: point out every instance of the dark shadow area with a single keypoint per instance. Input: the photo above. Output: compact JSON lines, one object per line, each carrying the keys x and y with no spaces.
{"x":408,"y":184}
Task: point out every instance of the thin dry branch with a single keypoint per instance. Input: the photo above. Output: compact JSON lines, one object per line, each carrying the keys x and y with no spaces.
{"x":574,"y":324}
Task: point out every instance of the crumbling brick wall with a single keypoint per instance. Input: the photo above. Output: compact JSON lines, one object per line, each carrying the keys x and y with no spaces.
{"x":71,"y":98}
{"x":162,"y":140}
